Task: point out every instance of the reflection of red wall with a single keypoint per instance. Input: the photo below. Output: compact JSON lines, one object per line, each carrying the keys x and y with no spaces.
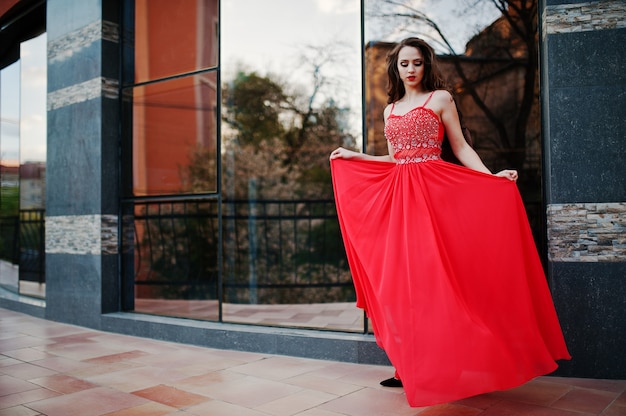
{"x":172,"y":118}
{"x":5,"y":5}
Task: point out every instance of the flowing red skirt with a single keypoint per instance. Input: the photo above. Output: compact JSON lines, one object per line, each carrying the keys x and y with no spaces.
{"x":445,"y":265}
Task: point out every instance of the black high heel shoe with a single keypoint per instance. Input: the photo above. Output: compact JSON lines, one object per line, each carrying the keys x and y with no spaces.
{"x":391,"y":382}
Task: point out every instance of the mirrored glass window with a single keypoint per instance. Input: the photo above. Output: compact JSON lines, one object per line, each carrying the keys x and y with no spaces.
{"x":174,"y":125}
{"x":23,"y":87}
{"x":174,"y":37}
{"x":9,"y":175}
{"x":292,"y":92}
{"x":174,"y":257}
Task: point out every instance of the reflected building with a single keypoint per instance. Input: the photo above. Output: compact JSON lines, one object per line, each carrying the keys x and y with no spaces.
{"x":185,"y":192}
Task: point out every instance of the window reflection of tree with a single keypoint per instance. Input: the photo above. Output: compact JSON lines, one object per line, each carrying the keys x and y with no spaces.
{"x":276,"y":138}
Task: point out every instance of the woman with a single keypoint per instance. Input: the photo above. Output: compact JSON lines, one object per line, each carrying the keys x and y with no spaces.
{"x":442,"y":256}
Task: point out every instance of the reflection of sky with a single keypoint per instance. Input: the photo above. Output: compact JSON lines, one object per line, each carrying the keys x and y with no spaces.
{"x":33,"y":102}
{"x":10,"y":112}
{"x":23,"y":104}
{"x":459,"y":20}
{"x":283,"y":37}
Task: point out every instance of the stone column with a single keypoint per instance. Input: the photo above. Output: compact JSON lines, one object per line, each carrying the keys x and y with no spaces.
{"x":82,"y":161}
{"x":583,"y":89}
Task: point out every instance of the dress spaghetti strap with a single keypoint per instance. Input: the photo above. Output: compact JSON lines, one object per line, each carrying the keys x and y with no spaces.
{"x":428,"y":99}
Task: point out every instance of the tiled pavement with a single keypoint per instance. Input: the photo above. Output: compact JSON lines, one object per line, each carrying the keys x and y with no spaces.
{"x":48,"y":368}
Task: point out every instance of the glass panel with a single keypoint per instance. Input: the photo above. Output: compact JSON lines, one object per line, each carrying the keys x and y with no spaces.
{"x":174,"y":37}
{"x":175,"y":136}
{"x":33,"y":134}
{"x":291,"y":93}
{"x":9,"y":175}
{"x":174,"y":258}
{"x":489,"y":65}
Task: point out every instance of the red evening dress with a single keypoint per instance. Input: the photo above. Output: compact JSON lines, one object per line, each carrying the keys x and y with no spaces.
{"x":444,"y":263}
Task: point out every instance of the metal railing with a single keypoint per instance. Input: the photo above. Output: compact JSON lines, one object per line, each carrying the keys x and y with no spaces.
{"x":32,"y":245}
{"x":22,"y":242}
{"x":272,"y":251}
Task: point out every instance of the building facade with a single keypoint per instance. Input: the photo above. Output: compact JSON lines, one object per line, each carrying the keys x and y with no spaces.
{"x":188,"y":199}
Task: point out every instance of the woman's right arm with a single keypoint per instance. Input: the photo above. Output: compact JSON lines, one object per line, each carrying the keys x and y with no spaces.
{"x":343,"y":153}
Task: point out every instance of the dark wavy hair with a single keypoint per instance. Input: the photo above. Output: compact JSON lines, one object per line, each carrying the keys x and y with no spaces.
{"x":433,"y":80}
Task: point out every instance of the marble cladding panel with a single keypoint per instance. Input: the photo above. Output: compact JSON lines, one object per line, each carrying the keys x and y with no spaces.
{"x":587,"y":16}
{"x":586,"y":145}
{"x":589,"y":299}
{"x":587,"y":232}
{"x":73,"y":288}
{"x":65,"y":16}
{"x":81,"y":56}
{"x":110,"y":277}
{"x":84,"y":91}
{"x":109,"y":162}
{"x":73,"y":176}
{"x":81,"y":234}
{"x":585,"y":59}
{"x":556,"y":2}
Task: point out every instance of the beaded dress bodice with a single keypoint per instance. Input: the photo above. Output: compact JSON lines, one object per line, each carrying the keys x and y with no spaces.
{"x":415,"y":136}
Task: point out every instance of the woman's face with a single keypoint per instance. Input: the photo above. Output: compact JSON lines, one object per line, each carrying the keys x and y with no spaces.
{"x":411,"y":66}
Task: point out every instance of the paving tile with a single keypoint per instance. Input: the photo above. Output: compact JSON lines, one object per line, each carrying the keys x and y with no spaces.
{"x":482,"y":401}
{"x":370,"y":401}
{"x":219,"y":408}
{"x":78,"y":351}
{"x":7,"y":361}
{"x":80,"y":337}
{"x":19,"y":411}
{"x":336,"y":370}
{"x":134,"y":379}
{"x":368,"y":376}
{"x":10,"y":385}
{"x":318,"y":412}
{"x":617,"y":386}
{"x":97,"y":370}
{"x":26,"y":397}
{"x":61,"y":364}
{"x":585,"y":400}
{"x":537,"y":391}
{"x":114,"y":358}
{"x":296,"y":403}
{"x":316,"y":382}
{"x":26,"y":371}
{"x":278,"y":368}
{"x":182,"y":358}
{"x":16,"y":343}
{"x":204,"y":383}
{"x":450,"y":410}
{"x":92,"y":402}
{"x":27,"y":354}
{"x":170,"y":396}
{"x":250,"y":391}
{"x":512,"y":408}
{"x":621,"y":400}
{"x":63,"y":383}
{"x":615,"y":409}
{"x":148,"y":409}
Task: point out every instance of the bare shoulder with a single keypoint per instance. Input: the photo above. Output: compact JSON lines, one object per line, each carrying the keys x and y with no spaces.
{"x":442,"y":102}
{"x":387,"y":111}
{"x":442,"y":97}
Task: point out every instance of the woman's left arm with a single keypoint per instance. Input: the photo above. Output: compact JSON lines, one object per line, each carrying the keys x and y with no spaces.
{"x":462,"y":150}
